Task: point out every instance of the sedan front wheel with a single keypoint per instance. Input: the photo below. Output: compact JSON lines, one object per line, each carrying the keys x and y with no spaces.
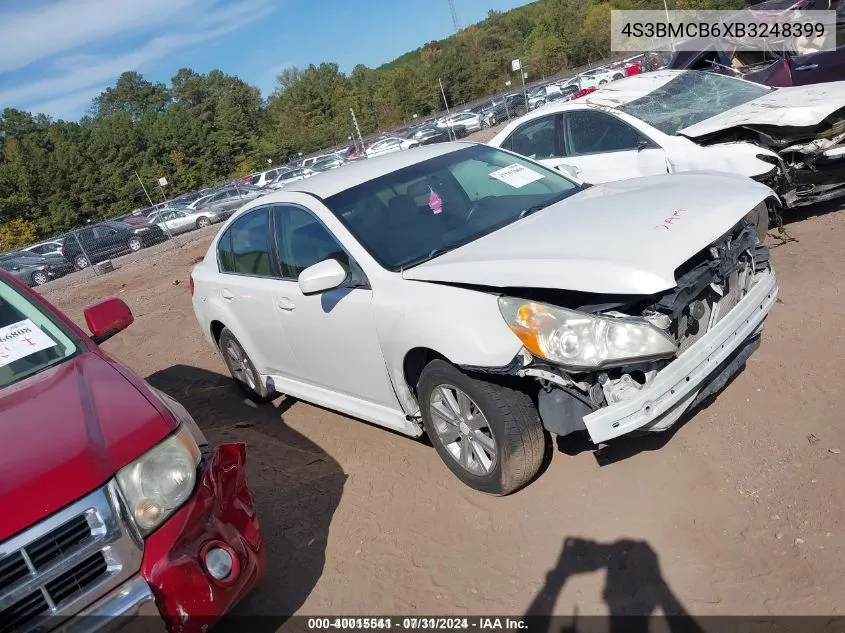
{"x":488,"y":433}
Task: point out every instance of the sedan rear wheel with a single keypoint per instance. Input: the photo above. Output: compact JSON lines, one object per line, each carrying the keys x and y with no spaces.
{"x":80,"y":261}
{"x":488,"y":433}
{"x":203,"y":222}
{"x":242,"y":369}
{"x":39,"y":277}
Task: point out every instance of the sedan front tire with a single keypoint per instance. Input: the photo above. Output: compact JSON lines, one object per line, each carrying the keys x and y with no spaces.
{"x":488,"y":433}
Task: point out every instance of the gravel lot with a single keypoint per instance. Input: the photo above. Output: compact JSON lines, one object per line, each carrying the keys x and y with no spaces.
{"x":737,"y":511}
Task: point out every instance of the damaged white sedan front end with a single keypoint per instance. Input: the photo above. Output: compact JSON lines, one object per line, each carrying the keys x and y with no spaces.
{"x":628,"y":328}
{"x":641,"y":366}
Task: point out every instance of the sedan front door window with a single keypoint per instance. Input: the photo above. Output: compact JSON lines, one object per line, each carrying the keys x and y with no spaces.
{"x":601,"y":147}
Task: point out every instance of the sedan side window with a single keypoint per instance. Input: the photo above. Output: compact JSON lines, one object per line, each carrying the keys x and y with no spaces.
{"x":224,"y":253}
{"x":303,"y":241}
{"x":247,"y":251}
{"x":535,"y":139}
{"x":592,"y":132}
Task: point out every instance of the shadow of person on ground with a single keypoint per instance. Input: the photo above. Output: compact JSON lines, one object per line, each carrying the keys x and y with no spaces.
{"x":634,"y":588}
{"x":296,"y":486}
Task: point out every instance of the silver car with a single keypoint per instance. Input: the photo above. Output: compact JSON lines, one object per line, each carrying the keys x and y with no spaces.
{"x":176,"y":221}
{"x":226,"y":201}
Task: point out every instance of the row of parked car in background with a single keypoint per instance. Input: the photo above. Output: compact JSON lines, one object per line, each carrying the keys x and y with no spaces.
{"x":624,"y":141}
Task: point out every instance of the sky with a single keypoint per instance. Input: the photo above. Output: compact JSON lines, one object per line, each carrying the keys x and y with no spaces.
{"x":57,"y":55}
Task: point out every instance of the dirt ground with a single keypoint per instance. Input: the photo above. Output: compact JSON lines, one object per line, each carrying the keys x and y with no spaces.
{"x":737,"y":511}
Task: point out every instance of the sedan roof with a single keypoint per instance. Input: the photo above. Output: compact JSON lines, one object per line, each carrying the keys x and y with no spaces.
{"x":327,"y":184}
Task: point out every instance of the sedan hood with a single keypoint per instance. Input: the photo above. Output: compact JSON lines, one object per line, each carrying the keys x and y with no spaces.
{"x":68,"y":430}
{"x":797,"y":106}
{"x":624,"y":237}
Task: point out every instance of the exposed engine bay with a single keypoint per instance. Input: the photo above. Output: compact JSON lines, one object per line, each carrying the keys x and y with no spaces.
{"x":708,"y":287}
{"x":812,"y":160}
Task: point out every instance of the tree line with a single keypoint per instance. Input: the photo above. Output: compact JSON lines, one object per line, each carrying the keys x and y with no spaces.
{"x":203,"y":128}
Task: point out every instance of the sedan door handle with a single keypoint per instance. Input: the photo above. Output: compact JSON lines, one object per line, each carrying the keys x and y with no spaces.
{"x":807,"y":67}
{"x":226,"y":294}
{"x":286,"y":304}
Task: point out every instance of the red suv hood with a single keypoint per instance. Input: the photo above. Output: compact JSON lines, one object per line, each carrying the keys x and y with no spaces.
{"x":66,"y":431}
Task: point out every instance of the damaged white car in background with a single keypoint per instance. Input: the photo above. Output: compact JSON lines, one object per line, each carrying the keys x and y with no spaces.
{"x":483,"y":299}
{"x":791,"y":139}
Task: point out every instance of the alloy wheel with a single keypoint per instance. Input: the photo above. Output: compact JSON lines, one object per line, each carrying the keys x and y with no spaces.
{"x":239,"y":365}
{"x":39,"y":278}
{"x":134,"y":244}
{"x":463,"y":429}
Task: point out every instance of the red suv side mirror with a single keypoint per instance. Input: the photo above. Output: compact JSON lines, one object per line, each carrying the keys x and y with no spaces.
{"x":107,"y":318}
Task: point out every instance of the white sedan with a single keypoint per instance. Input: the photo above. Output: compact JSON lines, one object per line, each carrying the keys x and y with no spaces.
{"x":483,"y":299}
{"x":674,"y":121}
{"x":389,"y":145}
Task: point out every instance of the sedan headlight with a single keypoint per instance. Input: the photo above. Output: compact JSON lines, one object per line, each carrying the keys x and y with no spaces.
{"x":156,"y":484}
{"x":583,"y":341}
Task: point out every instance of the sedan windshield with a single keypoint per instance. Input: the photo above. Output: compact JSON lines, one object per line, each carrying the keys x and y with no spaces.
{"x":30,"y":340}
{"x":691,"y":97}
{"x":419,"y":212}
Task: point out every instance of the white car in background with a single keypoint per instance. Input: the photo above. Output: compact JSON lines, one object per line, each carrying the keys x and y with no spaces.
{"x":291,"y":175}
{"x":469,"y":120}
{"x":266,"y":177}
{"x":542,"y":95}
{"x":483,"y":299}
{"x":593,"y":79}
{"x":389,"y":145}
{"x":53,"y":247}
{"x":684,"y":120}
{"x":176,"y":221}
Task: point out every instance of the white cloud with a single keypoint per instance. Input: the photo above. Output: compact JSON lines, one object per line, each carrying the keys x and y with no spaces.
{"x":67,"y":63}
{"x":36,"y":33}
{"x":68,"y":106}
{"x":85,"y":74}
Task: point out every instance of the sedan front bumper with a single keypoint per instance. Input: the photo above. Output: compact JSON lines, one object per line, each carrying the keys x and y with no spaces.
{"x":675,"y":388}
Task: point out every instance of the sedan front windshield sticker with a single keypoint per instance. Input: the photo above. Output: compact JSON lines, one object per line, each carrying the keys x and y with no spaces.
{"x":21,"y":339}
{"x":516,"y":175}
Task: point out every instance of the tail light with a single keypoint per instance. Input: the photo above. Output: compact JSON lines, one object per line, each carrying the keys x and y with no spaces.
{"x":191,"y":284}
{"x":62,"y":250}
{"x":199,"y":210}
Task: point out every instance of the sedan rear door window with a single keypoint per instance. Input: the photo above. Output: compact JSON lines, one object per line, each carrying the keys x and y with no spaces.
{"x":245,"y":248}
{"x":535,"y":139}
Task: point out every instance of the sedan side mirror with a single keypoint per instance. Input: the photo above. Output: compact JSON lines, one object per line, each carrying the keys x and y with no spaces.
{"x":325,"y":275}
{"x":107,"y":318}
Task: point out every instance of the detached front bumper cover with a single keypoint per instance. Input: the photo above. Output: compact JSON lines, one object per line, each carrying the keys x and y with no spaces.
{"x":676,"y":386}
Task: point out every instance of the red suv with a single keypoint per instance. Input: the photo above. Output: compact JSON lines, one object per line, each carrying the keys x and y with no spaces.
{"x":114,"y":504}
